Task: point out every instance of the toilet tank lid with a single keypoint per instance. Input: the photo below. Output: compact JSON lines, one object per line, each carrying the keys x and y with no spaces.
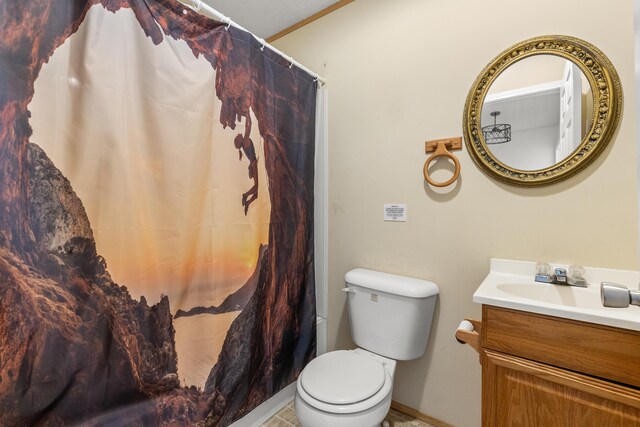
{"x":391,"y":283}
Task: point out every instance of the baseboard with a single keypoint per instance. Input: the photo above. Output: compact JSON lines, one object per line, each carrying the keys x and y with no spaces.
{"x":418,"y":415}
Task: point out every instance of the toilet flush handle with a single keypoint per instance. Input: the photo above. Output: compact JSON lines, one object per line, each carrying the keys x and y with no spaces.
{"x":349,"y":289}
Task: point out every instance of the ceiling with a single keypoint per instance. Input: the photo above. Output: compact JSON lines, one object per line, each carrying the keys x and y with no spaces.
{"x":266,"y":18}
{"x":532,"y":110}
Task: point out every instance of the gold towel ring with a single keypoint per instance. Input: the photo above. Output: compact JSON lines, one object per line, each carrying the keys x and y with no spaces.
{"x":441,"y":150}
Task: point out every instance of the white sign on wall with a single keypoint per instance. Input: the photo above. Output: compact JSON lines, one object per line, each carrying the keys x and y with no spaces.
{"x":395,"y":212}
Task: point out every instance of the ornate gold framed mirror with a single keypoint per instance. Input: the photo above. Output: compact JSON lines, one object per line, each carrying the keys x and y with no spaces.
{"x":542,"y":110}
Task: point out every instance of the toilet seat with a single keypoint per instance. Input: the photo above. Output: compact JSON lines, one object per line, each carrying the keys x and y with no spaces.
{"x":344,"y":382}
{"x":342,"y":377}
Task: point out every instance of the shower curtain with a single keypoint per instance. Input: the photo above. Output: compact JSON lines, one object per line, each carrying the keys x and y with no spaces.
{"x":156,"y":216}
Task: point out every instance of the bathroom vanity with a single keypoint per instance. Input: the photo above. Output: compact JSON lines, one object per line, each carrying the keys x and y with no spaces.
{"x":540,"y":370}
{"x":552,"y":355}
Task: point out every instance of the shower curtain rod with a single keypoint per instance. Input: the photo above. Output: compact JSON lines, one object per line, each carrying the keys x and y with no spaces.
{"x":203,"y":8}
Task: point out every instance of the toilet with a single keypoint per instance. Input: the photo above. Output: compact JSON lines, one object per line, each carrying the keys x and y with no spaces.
{"x":390,"y":319}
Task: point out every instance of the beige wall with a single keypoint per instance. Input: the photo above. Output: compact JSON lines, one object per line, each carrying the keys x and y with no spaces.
{"x":398,"y":74}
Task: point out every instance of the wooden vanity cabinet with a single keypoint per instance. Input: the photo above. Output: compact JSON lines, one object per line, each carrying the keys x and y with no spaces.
{"x":544,"y":371}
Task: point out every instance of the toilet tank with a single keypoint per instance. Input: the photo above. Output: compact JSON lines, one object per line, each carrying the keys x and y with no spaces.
{"x":390,"y":315}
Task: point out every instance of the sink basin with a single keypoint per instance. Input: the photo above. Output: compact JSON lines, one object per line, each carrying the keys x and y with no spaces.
{"x":554,"y":294}
{"x":511,"y":284}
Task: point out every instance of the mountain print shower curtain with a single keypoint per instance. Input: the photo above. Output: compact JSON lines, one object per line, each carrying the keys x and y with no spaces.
{"x":156,"y":216}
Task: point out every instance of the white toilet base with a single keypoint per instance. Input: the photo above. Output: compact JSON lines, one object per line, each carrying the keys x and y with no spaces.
{"x":312,"y":417}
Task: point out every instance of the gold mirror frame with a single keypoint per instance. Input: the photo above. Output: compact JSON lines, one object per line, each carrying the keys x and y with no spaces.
{"x":607,"y":101}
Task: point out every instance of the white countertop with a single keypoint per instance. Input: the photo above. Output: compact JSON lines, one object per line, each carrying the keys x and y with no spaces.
{"x":511,"y":284}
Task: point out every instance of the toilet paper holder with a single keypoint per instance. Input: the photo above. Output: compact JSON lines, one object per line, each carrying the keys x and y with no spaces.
{"x":469,"y":333}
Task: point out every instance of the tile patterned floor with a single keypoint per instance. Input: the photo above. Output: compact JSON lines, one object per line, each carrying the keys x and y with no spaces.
{"x":286,"y":417}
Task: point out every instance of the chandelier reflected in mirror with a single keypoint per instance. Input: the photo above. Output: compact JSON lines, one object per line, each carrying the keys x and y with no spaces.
{"x":497,"y":133}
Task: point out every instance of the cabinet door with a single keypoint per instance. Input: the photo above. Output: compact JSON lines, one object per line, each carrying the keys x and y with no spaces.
{"x":519,"y":392}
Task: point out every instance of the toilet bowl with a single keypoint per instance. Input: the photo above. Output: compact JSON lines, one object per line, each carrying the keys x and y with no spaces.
{"x":390,"y":318}
{"x":345,"y":388}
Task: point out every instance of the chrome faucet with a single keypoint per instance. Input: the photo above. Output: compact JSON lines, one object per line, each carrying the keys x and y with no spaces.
{"x":618,"y":296}
{"x":560,"y":277}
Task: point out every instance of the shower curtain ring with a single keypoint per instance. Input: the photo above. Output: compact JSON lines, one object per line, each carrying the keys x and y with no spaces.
{"x":290,"y":62}
{"x":264,"y":43}
{"x":197,"y":6}
{"x":228,"y":21}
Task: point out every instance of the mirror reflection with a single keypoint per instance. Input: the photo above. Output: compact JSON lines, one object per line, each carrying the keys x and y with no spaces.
{"x":536,"y":113}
